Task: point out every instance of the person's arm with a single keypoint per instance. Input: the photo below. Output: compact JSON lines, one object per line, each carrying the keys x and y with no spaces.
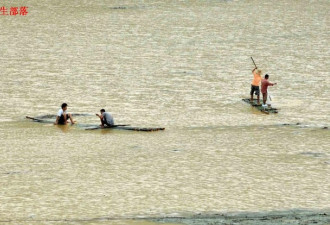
{"x":254,"y":71}
{"x":101,"y":118}
{"x":71,"y":119}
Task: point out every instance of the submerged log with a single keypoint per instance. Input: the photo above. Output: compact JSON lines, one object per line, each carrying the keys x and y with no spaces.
{"x":115,"y":127}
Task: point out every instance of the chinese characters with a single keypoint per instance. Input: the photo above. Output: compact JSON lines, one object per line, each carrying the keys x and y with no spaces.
{"x":13,"y":11}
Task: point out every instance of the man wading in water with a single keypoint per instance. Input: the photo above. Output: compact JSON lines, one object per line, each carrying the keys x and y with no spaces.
{"x":255,"y":84}
{"x":62,"y":116}
{"x":106,"y":118}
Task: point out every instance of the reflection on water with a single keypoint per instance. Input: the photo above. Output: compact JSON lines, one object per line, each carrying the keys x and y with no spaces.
{"x":181,"y":65}
{"x":64,"y":128}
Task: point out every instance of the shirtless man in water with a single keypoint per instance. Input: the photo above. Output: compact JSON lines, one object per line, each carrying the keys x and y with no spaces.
{"x":62,"y":116}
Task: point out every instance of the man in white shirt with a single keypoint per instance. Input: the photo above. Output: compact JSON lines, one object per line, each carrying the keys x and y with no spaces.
{"x":106,"y":118}
{"x":62,"y":116}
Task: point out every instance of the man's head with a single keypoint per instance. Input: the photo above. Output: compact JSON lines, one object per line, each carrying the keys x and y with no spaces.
{"x":266,"y":76}
{"x":259,"y":72}
{"x":102,"y":110}
{"x":64,"y":106}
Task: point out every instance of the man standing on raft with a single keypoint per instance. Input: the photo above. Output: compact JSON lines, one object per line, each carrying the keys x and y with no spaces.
{"x":264,"y":86}
{"x":255,"y":84}
{"x":62,"y":116}
{"x":106,"y":118}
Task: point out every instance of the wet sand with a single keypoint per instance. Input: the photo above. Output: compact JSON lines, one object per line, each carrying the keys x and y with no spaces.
{"x":260,"y":218}
{"x":290,"y":217}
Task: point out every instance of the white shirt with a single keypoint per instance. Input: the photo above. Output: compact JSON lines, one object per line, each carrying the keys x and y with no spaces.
{"x":61,"y":112}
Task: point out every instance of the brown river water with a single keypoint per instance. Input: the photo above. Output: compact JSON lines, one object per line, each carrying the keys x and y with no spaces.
{"x":182,"y":65}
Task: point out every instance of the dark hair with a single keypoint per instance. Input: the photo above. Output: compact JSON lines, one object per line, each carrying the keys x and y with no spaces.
{"x":266,"y":76}
{"x":64,"y":105}
{"x":102,"y":110}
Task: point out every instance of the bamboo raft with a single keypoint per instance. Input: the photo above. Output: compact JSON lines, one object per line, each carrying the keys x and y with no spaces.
{"x":95,"y":127}
{"x":254,"y":104}
{"x":126,"y":127}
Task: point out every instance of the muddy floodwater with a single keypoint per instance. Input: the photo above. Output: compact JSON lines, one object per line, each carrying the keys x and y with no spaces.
{"x":181,"y":65}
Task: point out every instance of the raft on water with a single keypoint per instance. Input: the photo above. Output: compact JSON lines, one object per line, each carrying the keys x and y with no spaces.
{"x":259,"y":107}
{"x":95,"y":127}
{"x":124,"y":127}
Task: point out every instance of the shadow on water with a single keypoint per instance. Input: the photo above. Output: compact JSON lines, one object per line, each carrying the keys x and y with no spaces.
{"x":64,"y":128}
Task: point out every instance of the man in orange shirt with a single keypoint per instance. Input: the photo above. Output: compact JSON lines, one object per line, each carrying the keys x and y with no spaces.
{"x":255,"y":84}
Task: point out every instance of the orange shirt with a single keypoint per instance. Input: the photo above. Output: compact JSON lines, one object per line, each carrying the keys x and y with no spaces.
{"x":256,"y":79}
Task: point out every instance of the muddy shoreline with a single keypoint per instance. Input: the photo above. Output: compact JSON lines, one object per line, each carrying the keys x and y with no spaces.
{"x":299,"y":217}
